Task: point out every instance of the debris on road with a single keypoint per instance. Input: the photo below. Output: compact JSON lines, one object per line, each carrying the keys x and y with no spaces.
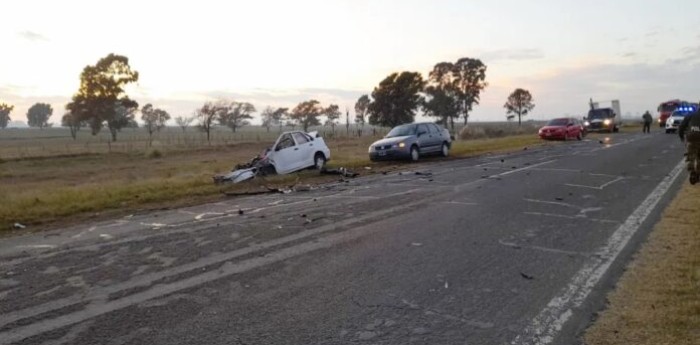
{"x":526,"y":276}
{"x":340,"y":171}
{"x":19,"y":226}
{"x":260,"y":192}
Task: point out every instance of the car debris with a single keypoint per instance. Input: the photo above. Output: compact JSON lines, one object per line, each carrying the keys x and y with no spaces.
{"x":526,"y":276}
{"x":292,"y":151}
{"x":340,"y":171}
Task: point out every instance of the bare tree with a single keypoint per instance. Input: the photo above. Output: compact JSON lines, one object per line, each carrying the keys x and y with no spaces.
{"x":206,"y":115}
{"x":332,"y":115}
{"x":184,"y":122}
{"x":153,"y":120}
{"x":361,"y":111}
{"x":268,"y":117}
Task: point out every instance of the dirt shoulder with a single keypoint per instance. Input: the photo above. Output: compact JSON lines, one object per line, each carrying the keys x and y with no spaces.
{"x":657,"y":301}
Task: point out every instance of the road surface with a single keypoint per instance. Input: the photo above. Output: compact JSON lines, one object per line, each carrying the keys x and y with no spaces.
{"x":502,"y":249}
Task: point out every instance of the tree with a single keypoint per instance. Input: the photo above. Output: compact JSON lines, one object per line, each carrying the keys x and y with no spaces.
{"x":124,"y":117}
{"x":279,"y":116}
{"x":184,"y":122}
{"x":306,"y":114}
{"x":72,"y":122}
{"x":153,"y":120}
{"x":206,"y":115}
{"x":396,"y":99}
{"x":38,"y":115}
{"x":442,"y":95}
{"x":470,"y":80}
{"x":347,"y":121}
{"x":268,"y":117}
{"x":332,"y":115}
{"x":101,"y":93}
{"x":235,"y":114}
{"x":361,"y":111}
{"x":5,"y":110}
{"x":519,"y":104}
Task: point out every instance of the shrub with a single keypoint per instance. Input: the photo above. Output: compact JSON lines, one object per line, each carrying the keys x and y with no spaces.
{"x":153,"y":154}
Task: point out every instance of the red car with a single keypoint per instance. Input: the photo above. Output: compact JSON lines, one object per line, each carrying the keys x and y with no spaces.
{"x":563,"y":128}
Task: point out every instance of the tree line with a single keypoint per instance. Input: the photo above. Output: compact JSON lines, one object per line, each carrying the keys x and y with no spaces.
{"x":449,"y":93}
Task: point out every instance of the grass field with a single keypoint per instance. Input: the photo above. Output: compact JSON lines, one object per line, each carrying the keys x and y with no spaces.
{"x":56,"y":180}
{"x":657,"y":301}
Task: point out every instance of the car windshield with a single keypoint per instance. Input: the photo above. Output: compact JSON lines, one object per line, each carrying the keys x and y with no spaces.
{"x":667,"y":107}
{"x":599,"y":114}
{"x":402,"y":131}
{"x":558,"y":122}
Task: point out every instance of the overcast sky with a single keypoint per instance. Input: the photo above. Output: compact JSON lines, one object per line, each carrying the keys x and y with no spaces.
{"x":281,"y":52}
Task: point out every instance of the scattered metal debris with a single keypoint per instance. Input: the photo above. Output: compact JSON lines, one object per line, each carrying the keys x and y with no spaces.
{"x":340,"y":171}
{"x":526,"y":276}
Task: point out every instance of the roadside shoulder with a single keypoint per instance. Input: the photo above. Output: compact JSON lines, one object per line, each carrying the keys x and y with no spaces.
{"x":657,"y":300}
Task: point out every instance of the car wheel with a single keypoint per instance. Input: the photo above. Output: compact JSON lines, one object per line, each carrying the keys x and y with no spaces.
{"x":668,"y":131}
{"x":445,"y":150}
{"x":579,"y":136}
{"x":415,"y":155}
{"x":319,"y":160}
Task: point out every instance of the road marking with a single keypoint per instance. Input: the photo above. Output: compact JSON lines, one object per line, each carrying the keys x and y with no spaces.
{"x":577,"y":217}
{"x":38,"y":246}
{"x":543,"y":249}
{"x":549,"y":322}
{"x":601,"y":187}
{"x":459,"y":203}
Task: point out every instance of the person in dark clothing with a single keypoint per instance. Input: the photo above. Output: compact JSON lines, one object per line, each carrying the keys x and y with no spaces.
{"x":647,"y":122}
{"x":690,"y":131}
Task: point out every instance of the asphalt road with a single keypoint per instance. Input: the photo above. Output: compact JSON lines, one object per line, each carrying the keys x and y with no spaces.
{"x":502,"y":249}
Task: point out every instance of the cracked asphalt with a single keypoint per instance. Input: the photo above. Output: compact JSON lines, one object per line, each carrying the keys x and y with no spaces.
{"x":517,"y":248}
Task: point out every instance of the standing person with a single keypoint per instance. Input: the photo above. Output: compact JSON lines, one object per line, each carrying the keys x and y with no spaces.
{"x":647,"y":122}
{"x":690,"y":131}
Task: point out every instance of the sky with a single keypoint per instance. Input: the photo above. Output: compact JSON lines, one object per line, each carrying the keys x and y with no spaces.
{"x":282,"y":52}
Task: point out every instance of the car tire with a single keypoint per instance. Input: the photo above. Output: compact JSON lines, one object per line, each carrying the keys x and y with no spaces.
{"x":445,"y":150}
{"x":319,"y":161}
{"x":579,"y":136}
{"x":415,"y":154}
{"x":668,"y":131}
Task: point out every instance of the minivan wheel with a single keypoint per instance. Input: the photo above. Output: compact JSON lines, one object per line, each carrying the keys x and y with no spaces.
{"x":445,"y":150}
{"x":415,"y":155}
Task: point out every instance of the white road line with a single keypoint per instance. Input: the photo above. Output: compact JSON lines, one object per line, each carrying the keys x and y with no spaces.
{"x":601,"y":187}
{"x":524,"y":168}
{"x":549,"y":322}
{"x":578,"y":217}
{"x":459,"y":203}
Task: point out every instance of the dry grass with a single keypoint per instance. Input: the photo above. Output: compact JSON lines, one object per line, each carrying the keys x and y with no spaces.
{"x":67,"y":187}
{"x":657,"y":301}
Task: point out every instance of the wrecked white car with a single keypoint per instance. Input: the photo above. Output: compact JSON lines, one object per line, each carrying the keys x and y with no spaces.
{"x":293,"y":151}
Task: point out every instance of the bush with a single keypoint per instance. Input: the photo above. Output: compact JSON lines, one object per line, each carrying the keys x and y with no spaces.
{"x":497,"y":130}
{"x":153,"y":154}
